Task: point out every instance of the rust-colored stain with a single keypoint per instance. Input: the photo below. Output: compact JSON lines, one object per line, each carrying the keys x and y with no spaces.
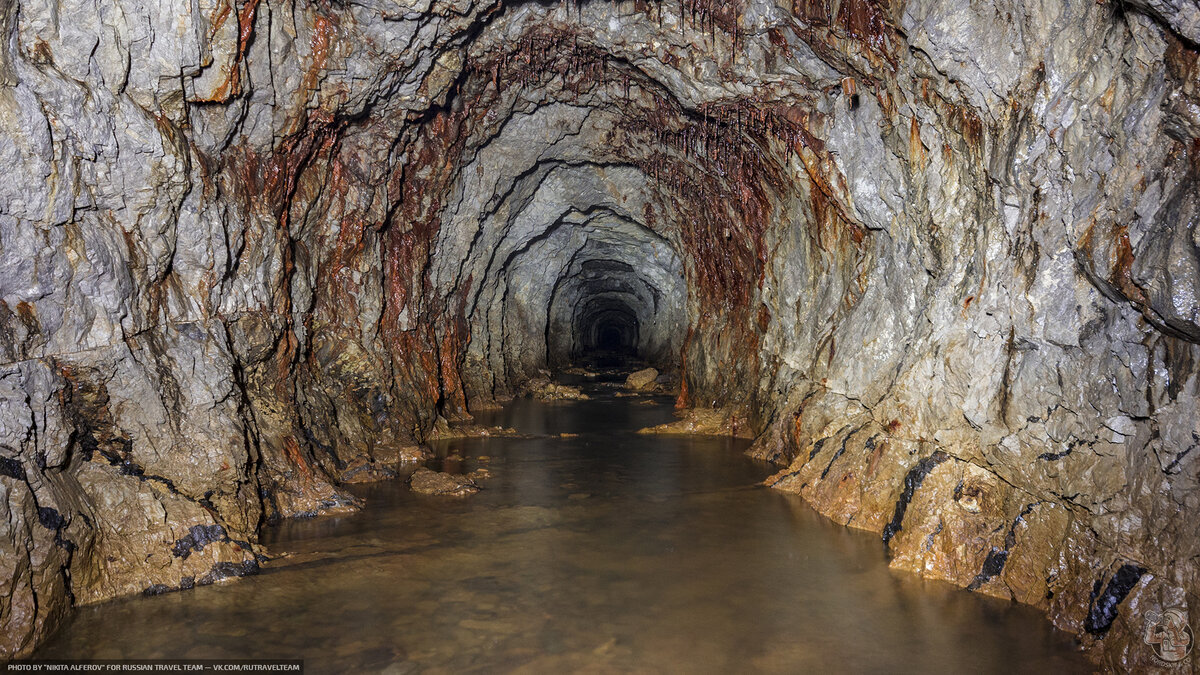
{"x":218,"y":20}
{"x":971,"y":128}
{"x":764,"y":318}
{"x":41,"y":53}
{"x":876,"y":456}
{"x":1122,"y":272}
{"x":916,"y":149}
{"x":324,"y":27}
{"x":291,"y":449}
{"x":777,"y":38}
{"x":708,"y":16}
{"x":232,"y":86}
{"x":682,"y":400}
{"x":862,"y":21}
{"x":27,"y":313}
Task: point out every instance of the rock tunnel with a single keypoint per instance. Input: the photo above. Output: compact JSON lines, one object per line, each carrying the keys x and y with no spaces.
{"x":938,"y":260}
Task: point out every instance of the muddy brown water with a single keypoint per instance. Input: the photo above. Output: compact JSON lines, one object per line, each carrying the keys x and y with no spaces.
{"x":603,"y":552}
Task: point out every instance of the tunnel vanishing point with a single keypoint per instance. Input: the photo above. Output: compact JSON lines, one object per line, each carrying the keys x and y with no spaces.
{"x":939,"y":259}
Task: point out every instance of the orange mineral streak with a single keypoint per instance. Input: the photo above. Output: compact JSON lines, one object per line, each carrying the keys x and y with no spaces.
{"x":218,"y":20}
{"x":324,"y":27}
{"x":716,"y":166}
{"x":916,"y":149}
{"x":291,"y":449}
{"x":451,"y":349}
{"x":427,"y":341}
{"x":682,"y":401}
{"x":232,"y":86}
{"x":1122,"y":271}
{"x":270,"y":181}
{"x":723,"y":168}
{"x":541,"y":55}
{"x":418,"y":188}
{"x":832,"y":229}
{"x":971,"y":128}
{"x":27,"y":313}
{"x":849,"y":87}
{"x":346,"y":250}
{"x":246,"y":25}
{"x":1119,"y":254}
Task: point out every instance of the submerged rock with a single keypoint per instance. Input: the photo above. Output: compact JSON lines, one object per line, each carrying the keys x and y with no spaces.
{"x":428,"y":482}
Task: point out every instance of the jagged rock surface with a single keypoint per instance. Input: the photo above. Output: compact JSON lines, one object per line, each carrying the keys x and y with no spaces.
{"x":941,"y":257}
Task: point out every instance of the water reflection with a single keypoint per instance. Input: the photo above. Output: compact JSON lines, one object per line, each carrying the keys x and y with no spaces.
{"x":607,"y":552}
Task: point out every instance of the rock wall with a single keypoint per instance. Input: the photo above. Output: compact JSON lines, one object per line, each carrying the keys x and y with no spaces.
{"x":941,"y":257}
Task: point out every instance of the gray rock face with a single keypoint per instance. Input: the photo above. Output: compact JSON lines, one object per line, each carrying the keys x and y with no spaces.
{"x":941,"y":257}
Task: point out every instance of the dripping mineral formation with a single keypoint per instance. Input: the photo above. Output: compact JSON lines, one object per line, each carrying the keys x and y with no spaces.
{"x":938,"y":258}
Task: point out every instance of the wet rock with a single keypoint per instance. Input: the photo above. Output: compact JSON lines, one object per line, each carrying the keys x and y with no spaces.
{"x":409,"y":454}
{"x":545,"y":390}
{"x":704,"y":422}
{"x":429,"y":482}
{"x":444,"y":431}
{"x":642,"y":380}
{"x":363,"y":470}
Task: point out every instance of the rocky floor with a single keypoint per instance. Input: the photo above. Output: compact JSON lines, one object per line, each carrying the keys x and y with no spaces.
{"x":605,"y":551}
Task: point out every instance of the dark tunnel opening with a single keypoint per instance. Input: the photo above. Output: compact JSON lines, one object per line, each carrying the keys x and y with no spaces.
{"x":610,"y":335}
{"x":612,"y":338}
{"x":619,"y":303}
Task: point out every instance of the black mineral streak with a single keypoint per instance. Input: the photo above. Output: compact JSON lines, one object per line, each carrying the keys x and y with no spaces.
{"x":1103,"y":609}
{"x":994,"y":564}
{"x":11,"y":468}
{"x":912,"y":481}
{"x":197,"y":538}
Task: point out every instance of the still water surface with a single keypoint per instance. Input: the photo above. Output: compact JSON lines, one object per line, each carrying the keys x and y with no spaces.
{"x":602,"y":552}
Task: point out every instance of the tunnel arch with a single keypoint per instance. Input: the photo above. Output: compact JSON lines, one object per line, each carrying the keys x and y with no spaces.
{"x":564,"y":230}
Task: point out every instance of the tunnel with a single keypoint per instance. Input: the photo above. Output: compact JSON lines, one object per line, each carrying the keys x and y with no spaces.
{"x":605,"y":288}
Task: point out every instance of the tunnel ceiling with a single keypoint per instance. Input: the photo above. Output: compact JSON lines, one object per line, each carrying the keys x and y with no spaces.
{"x":939,"y":259}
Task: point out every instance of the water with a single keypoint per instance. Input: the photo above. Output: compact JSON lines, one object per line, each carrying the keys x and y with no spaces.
{"x":604,"y":552}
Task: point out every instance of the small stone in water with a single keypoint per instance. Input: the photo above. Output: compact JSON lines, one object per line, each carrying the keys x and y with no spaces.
{"x":428,"y":482}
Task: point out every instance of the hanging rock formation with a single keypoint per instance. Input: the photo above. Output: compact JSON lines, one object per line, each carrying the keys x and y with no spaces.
{"x":939,"y":257}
